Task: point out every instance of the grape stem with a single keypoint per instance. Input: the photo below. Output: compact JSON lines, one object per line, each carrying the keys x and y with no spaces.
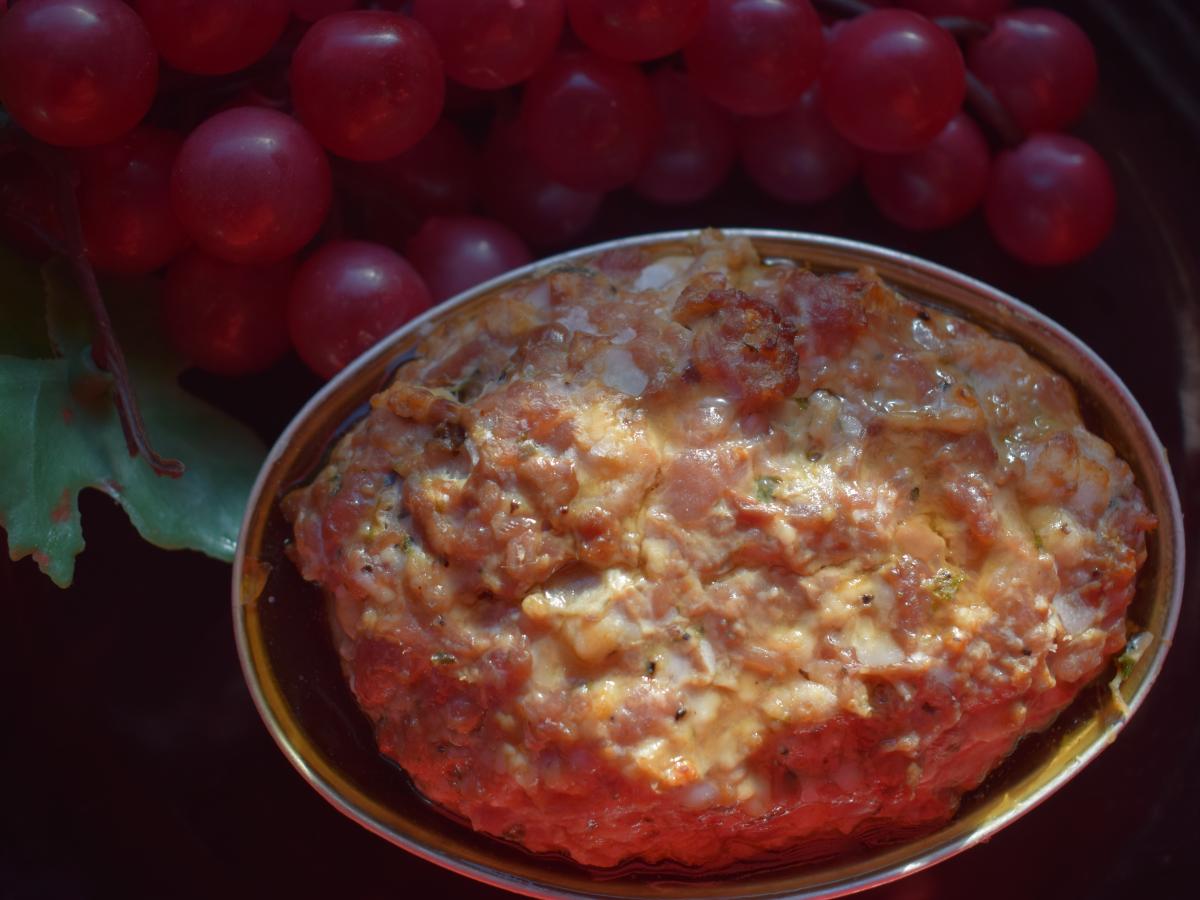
{"x":106,"y":348}
{"x":962,"y":27}
{"x":49,"y":241}
{"x":843,"y":9}
{"x":988,"y":108}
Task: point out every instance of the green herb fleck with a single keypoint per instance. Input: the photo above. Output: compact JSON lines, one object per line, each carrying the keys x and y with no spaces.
{"x":573,"y":269}
{"x":1125,"y":664}
{"x":815,"y":455}
{"x":1038,"y":543}
{"x":766,"y":488}
{"x":459,"y":391}
{"x":944,"y":585}
{"x":406,"y":544}
{"x":802,"y":402}
{"x":442,"y":658}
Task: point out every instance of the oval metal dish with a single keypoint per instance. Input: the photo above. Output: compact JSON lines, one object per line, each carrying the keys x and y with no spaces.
{"x":292,"y":672}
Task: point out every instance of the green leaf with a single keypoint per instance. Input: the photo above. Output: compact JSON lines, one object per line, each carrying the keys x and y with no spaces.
{"x":132,"y":305}
{"x":22,"y":309}
{"x":61,"y":434}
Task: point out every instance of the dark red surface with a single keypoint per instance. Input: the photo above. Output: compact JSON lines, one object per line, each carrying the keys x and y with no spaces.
{"x":134,"y":763}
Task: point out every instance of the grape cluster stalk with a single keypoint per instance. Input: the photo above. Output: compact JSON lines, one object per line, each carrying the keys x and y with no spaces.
{"x":311,"y":174}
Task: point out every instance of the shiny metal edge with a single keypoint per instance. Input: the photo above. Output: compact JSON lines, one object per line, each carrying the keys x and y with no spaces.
{"x":800,"y":246}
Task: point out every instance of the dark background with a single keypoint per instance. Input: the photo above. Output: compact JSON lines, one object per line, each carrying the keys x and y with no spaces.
{"x":132,"y":761}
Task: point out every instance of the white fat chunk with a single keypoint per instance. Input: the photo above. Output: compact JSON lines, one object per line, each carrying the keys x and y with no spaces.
{"x":873,"y":646}
{"x":622,"y":374}
{"x":658,"y":274}
{"x":1077,"y":617}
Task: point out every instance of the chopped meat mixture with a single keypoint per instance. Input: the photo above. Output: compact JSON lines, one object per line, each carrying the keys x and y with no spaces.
{"x":692,"y":558}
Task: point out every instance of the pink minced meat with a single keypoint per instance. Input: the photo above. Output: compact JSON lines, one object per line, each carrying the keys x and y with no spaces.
{"x":696,"y":559}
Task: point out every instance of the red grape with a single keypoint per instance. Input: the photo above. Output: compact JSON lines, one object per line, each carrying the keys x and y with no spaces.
{"x":1040,"y":65}
{"x":311,"y":10}
{"x":796,"y":156}
{"x":517,"y":192}
{"x":227,"y":318}
{"x":454,"y":253}
{"x":125,"y":202}
{"x":463,"y":99}
{"x":348,"y":296}
{"x":250,"y":185}
{"x":695,"y":148}
{"x":212,"y":37}
{"x":634,"y":30}
{"x":368,"y":84}
{"x":974,"y":9}
{"x":756,"y":57}
{"x":893,"y":80}
{"x":492,"y":43}
{"x":389,"y":199}
{"x":436,"y":175}
{"x":76,"y":72}
{"x":28,"y":204}
{"x":251,"y":95}
{"x":589,"y":122}
{"x":1051,"y":200}
{"x":936,"y":185}
{"x":265,"y":85}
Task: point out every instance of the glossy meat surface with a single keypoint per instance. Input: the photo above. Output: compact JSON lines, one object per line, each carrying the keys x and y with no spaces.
{"x":694,"y":558}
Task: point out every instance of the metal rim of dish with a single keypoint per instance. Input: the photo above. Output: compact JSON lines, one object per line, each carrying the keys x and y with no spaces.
{"x":932,"y":283}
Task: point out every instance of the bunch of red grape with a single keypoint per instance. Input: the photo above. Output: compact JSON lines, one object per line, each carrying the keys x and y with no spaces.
{"x":273,"y":155}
